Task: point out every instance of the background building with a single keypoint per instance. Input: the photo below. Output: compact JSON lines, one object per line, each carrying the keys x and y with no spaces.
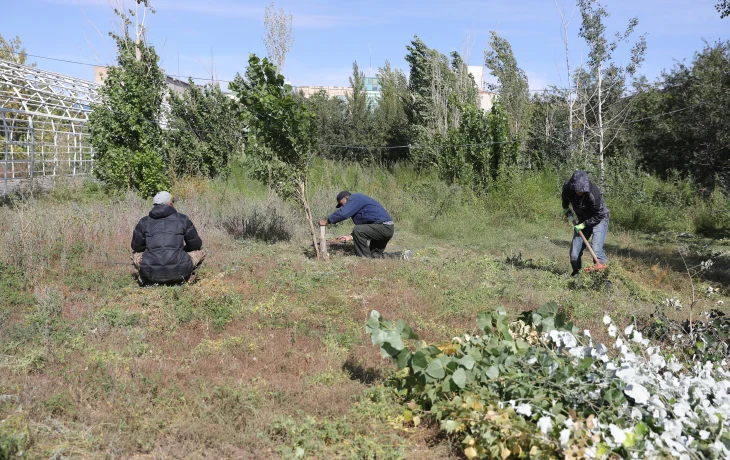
{"x":486,"y":98}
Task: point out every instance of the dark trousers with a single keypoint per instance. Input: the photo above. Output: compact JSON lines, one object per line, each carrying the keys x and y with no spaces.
{"x":371,"y":239}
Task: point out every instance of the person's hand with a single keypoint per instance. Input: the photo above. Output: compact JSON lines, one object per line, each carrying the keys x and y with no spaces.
{"x":323,"y":222}
{"x":579,"y":227}
{"x":566,"y":214}
{"x":345,"y":238}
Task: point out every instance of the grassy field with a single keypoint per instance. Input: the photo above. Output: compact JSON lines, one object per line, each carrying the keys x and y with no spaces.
{"x":266,"y":355}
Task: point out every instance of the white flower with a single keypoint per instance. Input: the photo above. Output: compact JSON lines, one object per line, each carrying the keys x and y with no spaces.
{"x":545,"y":424}
{"x":569,"y":340}
{"x":524,"y":409}
{"x":674,"y":365}
{"x":681,"y":408}
{"x":638,"y":338}
{"x":704,"y":435}
{"x":628,"y":330}
{"x":564,"y":437}
{"x":591,"y":452}
{"x":606,"y":320}
{"x":612,"y":330}
{"x":637,"y":392}
{"x":587,"y":333}
{"x":555,"y":336}
{"x":618,"y":434}
{"x":657,"y":361}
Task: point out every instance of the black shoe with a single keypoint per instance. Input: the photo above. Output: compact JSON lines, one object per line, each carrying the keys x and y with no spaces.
{"x":575,"y":272}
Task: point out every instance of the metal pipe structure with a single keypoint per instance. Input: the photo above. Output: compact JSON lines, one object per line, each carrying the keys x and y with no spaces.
{"x":43,"y":114}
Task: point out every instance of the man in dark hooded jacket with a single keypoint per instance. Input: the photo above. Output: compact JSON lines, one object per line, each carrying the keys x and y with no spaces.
{"x":166,"y":245}
{"x":592,"y":215}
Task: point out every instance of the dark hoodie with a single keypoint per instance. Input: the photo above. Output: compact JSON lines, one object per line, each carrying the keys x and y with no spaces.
{"x":589,"y":208}
{"x":164,"y":236}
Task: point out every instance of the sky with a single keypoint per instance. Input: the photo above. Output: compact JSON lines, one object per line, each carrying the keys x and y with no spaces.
{"x":196,"y":37}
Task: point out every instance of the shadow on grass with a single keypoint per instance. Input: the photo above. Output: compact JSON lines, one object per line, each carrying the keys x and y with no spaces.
{"x":365,"y":375}
{"x":561,"y":243}
{"x":517,"y":262}
{"x":718,"y":273}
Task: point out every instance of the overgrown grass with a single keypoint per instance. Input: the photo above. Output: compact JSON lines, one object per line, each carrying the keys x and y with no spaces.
{"x":266,"y":356}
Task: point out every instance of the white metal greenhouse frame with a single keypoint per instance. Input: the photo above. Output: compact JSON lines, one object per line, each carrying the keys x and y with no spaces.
{"x":43,"y":125}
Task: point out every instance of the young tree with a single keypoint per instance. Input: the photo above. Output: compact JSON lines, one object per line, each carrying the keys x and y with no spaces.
{"x":513,"y":88}
{"x":391,"y":121}
{"x":567,"y":93}
{"x":331,"y":124}
{"x":204,"y":133}
{"x":124,"y":127}
{"x":13,"y":51}
{"x":439,"y":93}
{"x":359,"y":117}
{"x":278,"y":39}
{"x":281,"y":132}
{"x":604,"y":101}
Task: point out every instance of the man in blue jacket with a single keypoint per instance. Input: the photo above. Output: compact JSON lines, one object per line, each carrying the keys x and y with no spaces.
{"x":373,"y":225}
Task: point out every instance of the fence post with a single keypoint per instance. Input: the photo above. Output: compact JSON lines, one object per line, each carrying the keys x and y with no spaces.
{"x":6,"y":135}
{"x":32,"y":151}
{"x":323,"y":242}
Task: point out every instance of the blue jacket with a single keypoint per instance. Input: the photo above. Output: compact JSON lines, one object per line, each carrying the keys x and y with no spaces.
{"x":362,"y":209}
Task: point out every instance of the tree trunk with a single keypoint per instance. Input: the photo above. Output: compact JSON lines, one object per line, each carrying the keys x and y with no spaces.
{"x":600,"y":121}
{"x":302,"y":185}
{"x":323,"y":242}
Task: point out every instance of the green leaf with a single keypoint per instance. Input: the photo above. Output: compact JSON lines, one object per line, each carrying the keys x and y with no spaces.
{"x":379,"y":336}
{"x":373,"y":322}
{"x":547,"y":324}
{"x":602,"y":450}
{"x":402,"y":359}
{"x":585,"y":364}
{"x":492,"y":372}
{"x":468,"y":362}
{"x":405,"y":331}
{"x":419,"y":362}
{"x":450,"y":425}
{"x":435,"y":369}
{"x":547,"y":310}
{"x":459,"y":378}
{"x":641,"y":430}
{"x":484,"y":321}
{"x":393,"y":338}
{"x":387,"y":351}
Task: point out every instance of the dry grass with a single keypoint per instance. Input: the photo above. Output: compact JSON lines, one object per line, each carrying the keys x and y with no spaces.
{"x":267,"y":353}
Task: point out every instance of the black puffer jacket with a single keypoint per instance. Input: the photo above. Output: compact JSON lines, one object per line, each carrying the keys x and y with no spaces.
{"x":589,"y":208}
{"x":164,"y":236}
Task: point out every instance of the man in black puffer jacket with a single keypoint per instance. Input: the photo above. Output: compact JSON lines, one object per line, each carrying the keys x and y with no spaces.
{"x":166,"y":245}
{"x":592,"y":214}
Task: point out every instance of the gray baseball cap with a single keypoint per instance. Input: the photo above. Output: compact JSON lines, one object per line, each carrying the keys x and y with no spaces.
{"x":162,"y":198}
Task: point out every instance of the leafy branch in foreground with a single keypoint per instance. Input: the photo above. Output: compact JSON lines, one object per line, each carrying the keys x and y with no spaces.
{"x":534,"y":388}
